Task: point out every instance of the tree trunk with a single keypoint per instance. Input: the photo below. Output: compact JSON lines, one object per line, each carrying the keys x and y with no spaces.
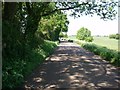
{"x":10,"y":9}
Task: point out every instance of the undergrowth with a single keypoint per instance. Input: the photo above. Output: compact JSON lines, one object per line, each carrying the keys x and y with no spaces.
{"x":110,"y":55}
{"x":15,"y":69}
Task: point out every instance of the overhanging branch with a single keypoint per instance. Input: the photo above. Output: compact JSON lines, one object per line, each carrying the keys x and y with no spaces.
{"x":51,"y":12}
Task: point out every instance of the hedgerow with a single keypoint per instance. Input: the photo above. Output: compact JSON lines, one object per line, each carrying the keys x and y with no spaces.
{"x":110,"y":55}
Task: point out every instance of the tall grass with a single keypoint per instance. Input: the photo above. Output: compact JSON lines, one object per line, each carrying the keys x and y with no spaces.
{"x":112,"y":56}
{"x":15,"y":70}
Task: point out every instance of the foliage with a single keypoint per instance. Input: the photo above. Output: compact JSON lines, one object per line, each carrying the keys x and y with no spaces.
{"x":106,"y":10}
{"x":111,"y":55}
{"x":114,"y":36}
{"x":89,"y":39}
{"x":63,"y":35}
{"x":16,"y":69}
{"x":23,"y":37}
{"x":23,"y":21}
{"x":84,"y":34}
{"x":53,"y":25}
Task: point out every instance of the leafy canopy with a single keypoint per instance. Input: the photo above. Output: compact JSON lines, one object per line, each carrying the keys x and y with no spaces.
{"x":84,"y":34}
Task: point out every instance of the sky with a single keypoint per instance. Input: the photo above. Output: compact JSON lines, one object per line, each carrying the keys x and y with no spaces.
{"x":96,"y":25}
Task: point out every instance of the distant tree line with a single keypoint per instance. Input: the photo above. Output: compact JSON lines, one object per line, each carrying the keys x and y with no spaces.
{"x":114,"y":36}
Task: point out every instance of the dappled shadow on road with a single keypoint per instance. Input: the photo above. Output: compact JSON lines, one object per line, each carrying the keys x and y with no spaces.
{"x":73,"y":67}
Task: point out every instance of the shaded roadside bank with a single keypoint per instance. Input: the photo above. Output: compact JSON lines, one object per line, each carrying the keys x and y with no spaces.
{"x":15,"y":70}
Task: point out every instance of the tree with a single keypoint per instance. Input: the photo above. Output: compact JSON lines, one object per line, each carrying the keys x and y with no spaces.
{"x":63,"y":35}
{"x":117,"y":36}
{"x":84,"y":34}
{"x":19,"y":27}
{"x":106,"y":10}
{"x":114,"y":36}
{"x":22,"y":21}
{"x":52,"y":25}
{"x":22,"y":31}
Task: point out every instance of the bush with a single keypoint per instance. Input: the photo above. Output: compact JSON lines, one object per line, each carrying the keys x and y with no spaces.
{"x":110,"y":55}
{"x":117,"y":36}
{"x":114,"y":36}
{"x":14,"y":70}
{"x":89,"y":39}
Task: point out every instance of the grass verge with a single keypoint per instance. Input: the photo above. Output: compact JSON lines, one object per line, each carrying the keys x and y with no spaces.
{"x":110,"y":55}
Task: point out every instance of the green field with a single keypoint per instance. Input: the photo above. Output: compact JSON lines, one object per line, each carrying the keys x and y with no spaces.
{"x":103,"y":41}
{"x":72,"y":37}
